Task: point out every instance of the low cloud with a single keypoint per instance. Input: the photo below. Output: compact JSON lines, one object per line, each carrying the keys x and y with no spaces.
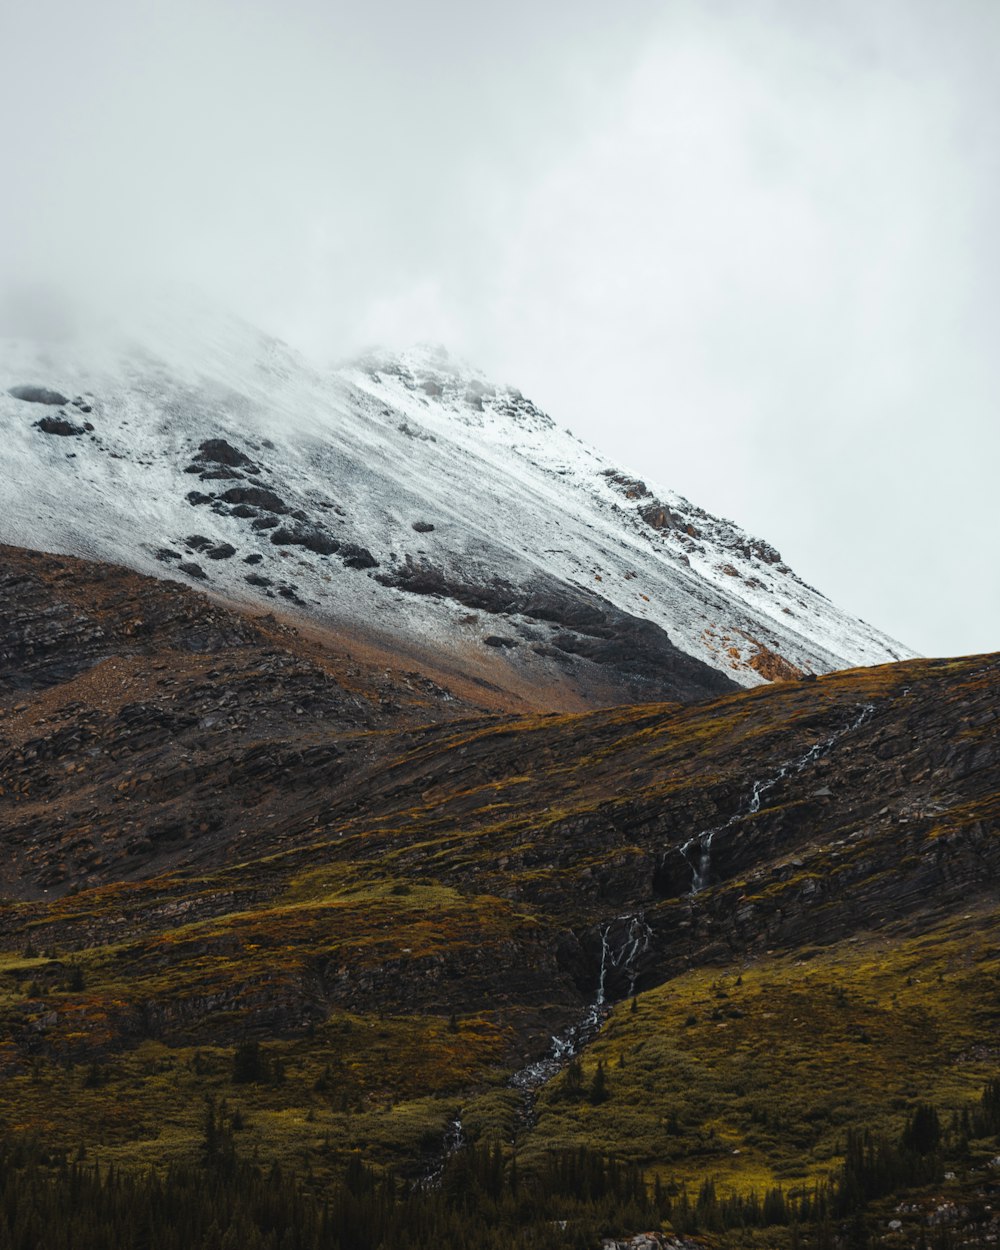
{"x":746,"y":248}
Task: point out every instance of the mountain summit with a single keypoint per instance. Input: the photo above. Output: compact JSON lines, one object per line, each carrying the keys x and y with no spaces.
{"x":403,"y":498}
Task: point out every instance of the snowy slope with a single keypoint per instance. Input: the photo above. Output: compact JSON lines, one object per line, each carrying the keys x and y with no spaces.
{"x":403,"y":493}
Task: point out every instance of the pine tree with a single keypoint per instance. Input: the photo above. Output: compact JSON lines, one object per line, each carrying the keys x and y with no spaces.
{"x":599,"y":1086}
{"x":923,"y":1130}
{"x":248,"y":1066}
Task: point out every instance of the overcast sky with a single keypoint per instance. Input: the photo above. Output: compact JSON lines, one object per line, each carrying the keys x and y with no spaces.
{"x":746,"y":247}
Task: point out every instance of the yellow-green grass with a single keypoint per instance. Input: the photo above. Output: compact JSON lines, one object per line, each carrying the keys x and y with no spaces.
{"x":385,"y":1087}
{"x":753,"y":1074}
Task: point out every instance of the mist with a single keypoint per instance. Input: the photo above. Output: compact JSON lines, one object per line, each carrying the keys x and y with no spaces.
{"x":747,"y":249}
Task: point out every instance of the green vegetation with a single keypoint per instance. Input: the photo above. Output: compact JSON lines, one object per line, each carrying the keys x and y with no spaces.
{"x":480,"y":1195}
{"x":754,"y":1074}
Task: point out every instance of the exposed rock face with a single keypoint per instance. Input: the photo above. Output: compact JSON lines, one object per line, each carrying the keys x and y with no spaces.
{"x":60,"y":426}
{"x":584,"y":625}
{"x":630,"y":487}
{"x":219,"y":451}
{"x":59,"y":617}
{"x":257,"y":496}
{"x":661,"y":517}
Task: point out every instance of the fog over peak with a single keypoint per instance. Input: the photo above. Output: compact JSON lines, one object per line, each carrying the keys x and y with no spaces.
{"x":747,"y":248}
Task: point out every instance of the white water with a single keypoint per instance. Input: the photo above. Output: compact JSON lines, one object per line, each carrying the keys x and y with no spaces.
{"x":616,"y":955}
{"x":636,"y":942}
{"x":698,"y":850}
{"x":454,"y":1140}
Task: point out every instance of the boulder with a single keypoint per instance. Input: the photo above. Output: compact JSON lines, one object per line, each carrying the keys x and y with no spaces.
{"x":60,"y":426}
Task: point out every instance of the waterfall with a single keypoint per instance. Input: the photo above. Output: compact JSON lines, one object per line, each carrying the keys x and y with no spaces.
{"x":452,"y":1142}
{"x":620,"y":955}
{"x":698,"y":850}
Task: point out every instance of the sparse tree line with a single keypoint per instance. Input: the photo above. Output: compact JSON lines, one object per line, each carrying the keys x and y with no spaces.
{"x":222,"y":1201}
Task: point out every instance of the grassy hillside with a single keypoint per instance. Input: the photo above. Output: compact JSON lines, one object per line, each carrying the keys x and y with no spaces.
{"x":340,"y":925}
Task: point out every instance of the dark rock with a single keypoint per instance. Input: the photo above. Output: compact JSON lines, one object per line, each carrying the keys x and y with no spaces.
{"x":256,"y":495}
{"x":223,"y":551}
{"x":193,"y":570}
{"x":255,"y":558}
{"x":312,"y":540}
{"x":255,"y":579}
{"x":549,"y":653}
{"x":322,"y":543}
{"x":423,"y":527}
{"x":592,"y":628}
{"x":631,"y":487}
{"x":196,"y":498}
{"x":355,"y":557}
{"x":764,"y":551}
{"x":58,"y":425}
{"x":164,"y":554}
{"x":265,"y":523}
{"x":197,"y":542}
{"x":662,"y":517}
{"x":37,"y":395}
{"x":219,"y":451}
{"x":495,"y":640}
{"x":425,"y":579}
{"x":243,"y":510}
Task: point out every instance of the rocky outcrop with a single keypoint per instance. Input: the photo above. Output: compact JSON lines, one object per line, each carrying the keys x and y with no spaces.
{"x":61,"y":427}
{"x":583,"y":625}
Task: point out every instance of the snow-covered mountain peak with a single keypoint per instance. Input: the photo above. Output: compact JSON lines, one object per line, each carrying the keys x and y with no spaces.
{"x":466,"y":393}
{"x":404,"y":495}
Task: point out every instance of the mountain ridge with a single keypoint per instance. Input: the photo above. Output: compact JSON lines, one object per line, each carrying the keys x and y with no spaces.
{"x":403,"y":495}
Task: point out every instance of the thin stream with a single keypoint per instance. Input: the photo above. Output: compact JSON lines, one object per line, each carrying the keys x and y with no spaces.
{"x":620,"y":955}
{"x":698,"y":850}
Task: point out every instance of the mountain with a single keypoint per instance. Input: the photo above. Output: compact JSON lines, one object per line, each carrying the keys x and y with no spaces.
{"x":416,"y":830}
{"x":272,"y":902}
{"x":404,"y":500}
